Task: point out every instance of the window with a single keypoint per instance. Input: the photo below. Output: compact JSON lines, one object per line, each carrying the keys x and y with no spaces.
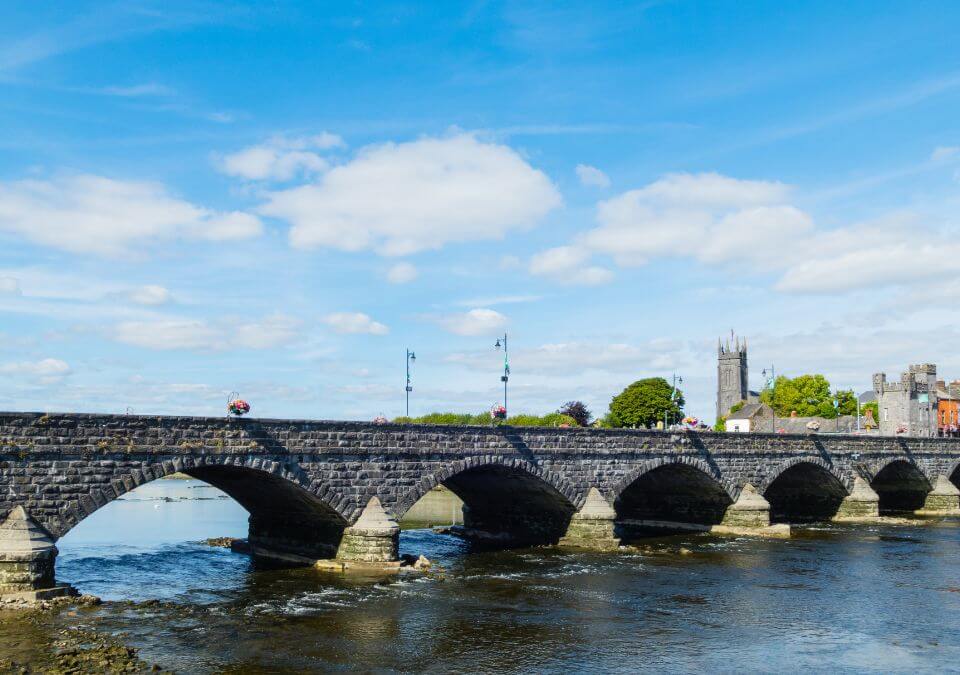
{"x":886,"y":414}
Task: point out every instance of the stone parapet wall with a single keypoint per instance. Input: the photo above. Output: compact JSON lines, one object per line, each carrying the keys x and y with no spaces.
{"x":62,"y":467}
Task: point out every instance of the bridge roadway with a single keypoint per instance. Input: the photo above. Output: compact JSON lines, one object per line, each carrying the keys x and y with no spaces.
{"x":337,"y":489}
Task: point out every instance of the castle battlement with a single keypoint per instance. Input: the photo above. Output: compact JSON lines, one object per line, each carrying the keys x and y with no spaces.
{"x":908,"y":405}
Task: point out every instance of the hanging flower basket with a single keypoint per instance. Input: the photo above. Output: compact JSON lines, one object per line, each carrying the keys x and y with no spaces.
{"x":380,"y":419}
{"x":498,"y":413}
{"x":902,"y":429}
{"x":238,"y":407}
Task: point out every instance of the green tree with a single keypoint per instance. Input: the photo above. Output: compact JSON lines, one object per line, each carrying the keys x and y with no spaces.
{"x":578,"y":411}
{"x":848,"y":402}
{"x":806,"y":394}
{"x":645,"y":402}
{"x":809,"y":396}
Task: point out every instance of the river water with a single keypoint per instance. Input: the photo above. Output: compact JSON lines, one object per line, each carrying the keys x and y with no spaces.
{"x":832,"y":598}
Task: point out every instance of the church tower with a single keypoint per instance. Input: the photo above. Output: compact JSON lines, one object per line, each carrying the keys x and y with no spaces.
{"x":731,"y":374}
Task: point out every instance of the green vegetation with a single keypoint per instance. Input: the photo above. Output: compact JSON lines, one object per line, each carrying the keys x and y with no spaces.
{"x":483,"y":419}
{"x":645,"y":402}
{"x":578,"y":411}
{"x":809,"y":396}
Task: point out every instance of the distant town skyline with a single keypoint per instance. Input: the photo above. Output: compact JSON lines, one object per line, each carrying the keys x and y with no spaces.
{"x":281,"y":200}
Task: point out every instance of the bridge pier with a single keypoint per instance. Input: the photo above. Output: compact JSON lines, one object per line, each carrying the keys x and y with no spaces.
{"x":750,"y":515}
{"x":592,"y":527}
{"x":863,"y":503}
{"x":943,"y":500}
{"x":374,"y":538}
{"x":27,"y":559}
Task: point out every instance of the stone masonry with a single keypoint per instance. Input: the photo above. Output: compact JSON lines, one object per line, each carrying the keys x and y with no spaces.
{"x":908,"y":407}
{"x":306,"y":483}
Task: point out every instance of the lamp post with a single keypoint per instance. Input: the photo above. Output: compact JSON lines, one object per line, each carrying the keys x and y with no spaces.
{"x":410,"y":357}
{"x":858,"y":410}
{"x":773,"y":395}
{"x":506,"y":367}
{"x":673,"y":395}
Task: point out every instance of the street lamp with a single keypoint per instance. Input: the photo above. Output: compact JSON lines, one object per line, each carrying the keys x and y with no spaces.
{"x":773,"y":395}
{"x":673,"y":396}
{"x":410,"y":357}
{"x":506,"y":368}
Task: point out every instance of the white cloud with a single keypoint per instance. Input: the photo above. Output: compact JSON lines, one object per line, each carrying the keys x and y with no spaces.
{"x":592,"y":176}
{"x":944,"y":152}
{"x":10,"y":286}
{"x":355,"y":322}
{"x":139,"y":90}
{"x":498,"y":300}
{"x":510,"y":262}
{"x":92,"y":214}
{"x":567,"y":265}
{"x":150,"y":295}
{"x":712,"y":190}
{"x":706,"y":216}
{"x":280,"y":158}
{"x":901,"y":263}
{"x":398,"y":199}
{"x":402,"y":273}
{"x":756,"y":233}
{"x":574,"y":358}
{"x":232,"y":225}
{"x":168,"y":334}
{"x":272,"y":331}
{"x":45,"y":371}
{"x":200,"y":335}
{"x":480,"y":321}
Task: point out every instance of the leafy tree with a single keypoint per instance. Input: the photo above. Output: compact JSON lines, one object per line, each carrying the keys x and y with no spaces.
{"x":578,"y":411}
{"x":551,"y":420}
{"x":809,"y":396}
{"x":848,"y":402}
{"x":645,"y":402}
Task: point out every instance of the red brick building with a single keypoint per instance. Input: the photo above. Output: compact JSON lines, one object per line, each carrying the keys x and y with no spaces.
{"x":948,"y":408}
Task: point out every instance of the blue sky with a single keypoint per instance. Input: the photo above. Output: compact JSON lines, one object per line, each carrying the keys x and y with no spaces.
{"x":278,"y":199}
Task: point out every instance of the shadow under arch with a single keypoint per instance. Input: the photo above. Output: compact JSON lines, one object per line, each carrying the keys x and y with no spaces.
{"x":672,"y":496}
{"x":901,"y":485}
{"x":285,"y":516}
{"x":803,"y":490}
{"x":506,"y":501}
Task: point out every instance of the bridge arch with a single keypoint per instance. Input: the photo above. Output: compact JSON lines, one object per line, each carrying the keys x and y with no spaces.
{"x":804,"y":489}
{"x":506,"y":499}
{"x":675,"y":493}
{"x":285,"y":513}
{"x":953,"y":473}
{"x":901,"y":484}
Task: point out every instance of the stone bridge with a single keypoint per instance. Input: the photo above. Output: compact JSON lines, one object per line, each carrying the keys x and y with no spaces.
{"x":337,"y":489}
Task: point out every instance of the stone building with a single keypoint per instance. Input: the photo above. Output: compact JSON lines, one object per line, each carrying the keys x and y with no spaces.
{"x":908,"y":407}
{"x":752,"y":417}
{"x":732,"y":386}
